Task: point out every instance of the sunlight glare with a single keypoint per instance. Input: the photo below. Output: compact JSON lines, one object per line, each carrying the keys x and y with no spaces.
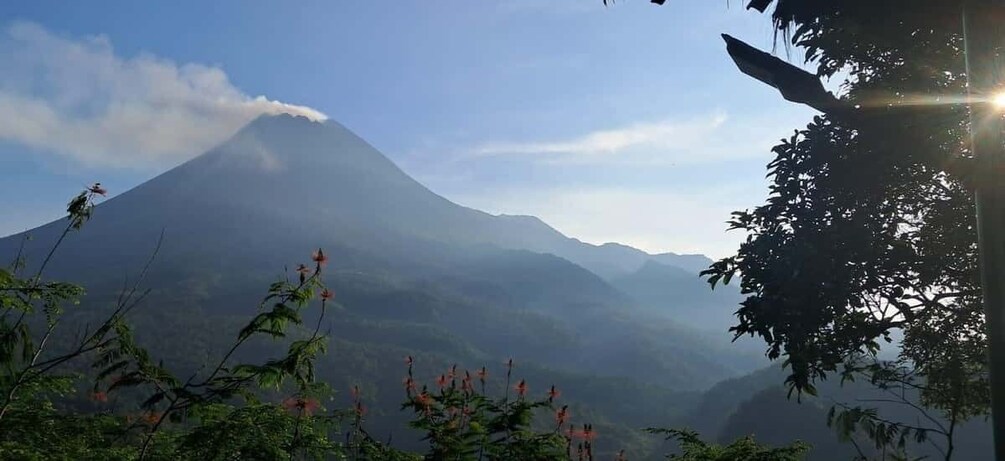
{"x":999,"y":101}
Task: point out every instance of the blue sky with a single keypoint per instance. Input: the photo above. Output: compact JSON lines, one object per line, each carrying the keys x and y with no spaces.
{"x":626,"y":123}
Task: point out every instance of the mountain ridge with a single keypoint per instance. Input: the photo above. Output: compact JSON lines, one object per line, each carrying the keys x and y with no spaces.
{"x":284,"y":183}
{"x":414,"y":273}
{"x":249,"y":152}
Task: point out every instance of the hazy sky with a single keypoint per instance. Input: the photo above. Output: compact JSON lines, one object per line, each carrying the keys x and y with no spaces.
{"x":626,"y":123}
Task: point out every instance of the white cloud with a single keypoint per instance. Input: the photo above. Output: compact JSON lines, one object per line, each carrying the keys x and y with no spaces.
{"x":635,"y":210}
{"x":694,"y":140}
{"x":79,"y":99}
{"x":664,"y":134}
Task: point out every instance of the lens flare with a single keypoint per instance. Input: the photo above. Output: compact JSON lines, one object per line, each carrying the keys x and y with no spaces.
{"x":999,"y":100}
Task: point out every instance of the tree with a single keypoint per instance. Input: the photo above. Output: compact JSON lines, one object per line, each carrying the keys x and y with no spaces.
{"x":868,"y":227}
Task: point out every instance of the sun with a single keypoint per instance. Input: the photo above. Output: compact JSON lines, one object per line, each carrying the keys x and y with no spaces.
{"x":999,"y":100}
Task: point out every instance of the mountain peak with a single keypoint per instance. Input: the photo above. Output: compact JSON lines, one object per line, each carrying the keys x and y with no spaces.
{"x":616,"y":245}
{"x":288,"y":118}
{"x":529,"y":221}
{"x":653,"y":267}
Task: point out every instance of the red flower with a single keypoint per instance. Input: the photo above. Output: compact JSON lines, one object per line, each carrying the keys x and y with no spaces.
{"x":482,"y":374}
{"x":152,"y":417}
{"x":521,"y":388}
{"x":409,"y":360}
{"x":621,"y":456}
{"x":310,"y":405}
{"x":452,"y":372}
{"x":97,"y":189}
{"x":442,"y":381}
{"x":466,"y":383}
{"x":307,"y":406}
{"x":562,"y":415}
{"x":424,"y":400}
{"x":99,"y":396}
{"x":360,"y":409}
{"x":355,"y":392}
{"x":319,"y":257}
{"x":509,"y":364}
{"x":409,"y":384}
{"x":553,"y":393}
{"x":586,"y":434}
{"x":327,"y":294}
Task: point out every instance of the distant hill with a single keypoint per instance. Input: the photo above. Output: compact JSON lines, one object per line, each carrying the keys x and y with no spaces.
{"x":414,"y":272}
{"x":758,"y":404}
{"x":678,"y":293}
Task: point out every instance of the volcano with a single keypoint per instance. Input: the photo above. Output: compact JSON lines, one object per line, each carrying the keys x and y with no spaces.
{"x":285,"y":181}
{"x":414,"y":274}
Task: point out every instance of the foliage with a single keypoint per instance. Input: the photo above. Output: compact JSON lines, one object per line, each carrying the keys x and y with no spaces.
{"x":30,"y":311}
{"x":41,"y":432}
{"x":122,"y":364}
{"x":463,"y":422}
{"x":744,"y":449}
{"x":177,"y":419}
{"x":253,"y":431}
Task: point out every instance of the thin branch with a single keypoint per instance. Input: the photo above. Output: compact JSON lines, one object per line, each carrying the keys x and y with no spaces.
{"x":941,"y":429}
{"x":29,"y":372}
